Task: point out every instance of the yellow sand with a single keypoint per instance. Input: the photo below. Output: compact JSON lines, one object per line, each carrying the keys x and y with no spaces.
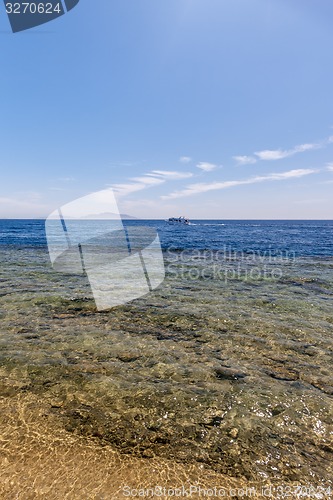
{"x":40,"y":459}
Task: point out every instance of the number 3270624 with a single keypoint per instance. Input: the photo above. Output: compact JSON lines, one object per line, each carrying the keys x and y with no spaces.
{"x":33,"y":8}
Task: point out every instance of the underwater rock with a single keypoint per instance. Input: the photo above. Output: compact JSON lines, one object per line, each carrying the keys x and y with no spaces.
{"x":224,"y":373}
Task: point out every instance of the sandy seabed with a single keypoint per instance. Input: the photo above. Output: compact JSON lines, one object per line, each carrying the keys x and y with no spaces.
{"x":39,"y":459}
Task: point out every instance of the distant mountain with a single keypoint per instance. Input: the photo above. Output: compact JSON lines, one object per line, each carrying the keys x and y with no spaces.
{"x":126,"y":216}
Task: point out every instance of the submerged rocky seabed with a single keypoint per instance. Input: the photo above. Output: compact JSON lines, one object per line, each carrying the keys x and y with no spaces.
{"x":223,"y":365}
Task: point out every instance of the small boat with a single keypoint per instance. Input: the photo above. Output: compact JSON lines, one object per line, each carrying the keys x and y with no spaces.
{"x":178,"y":220}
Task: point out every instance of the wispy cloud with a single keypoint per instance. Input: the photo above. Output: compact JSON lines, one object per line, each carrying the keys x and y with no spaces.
{"x":151,"y":179}
{"x":268,"y":154}
{"x":244,"y":160}
{"x":170,"y":174}
{"x":206,"y":167}
{"x":66,"y":179}
{"x":117,"y":164}
{"x":136,"y":184}
{"x":185,"y":159}
{"x":329,"y":166}
{"x":279,"y":154}
{"x":193,"y":189}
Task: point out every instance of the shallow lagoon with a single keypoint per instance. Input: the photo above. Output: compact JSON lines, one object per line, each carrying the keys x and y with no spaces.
{"x":217,"y":369}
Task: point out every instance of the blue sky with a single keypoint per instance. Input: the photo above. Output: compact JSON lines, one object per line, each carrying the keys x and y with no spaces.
{"x":207,"y":108}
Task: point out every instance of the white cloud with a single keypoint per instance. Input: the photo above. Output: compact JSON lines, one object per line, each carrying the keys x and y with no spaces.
{"x":136,"y":184}
{"x":151,"y":179}
{"x":244,"y":160}
{"x":268,"y":154}
{"x":329,"y":167}
{"x":206,"y":167}
{"x":185,"y":159}
{"x":290,"y":174}
{"x":279,"y":154}
{"x":305,"y":147}
{"x":170,"y":174}
{"x":193,"y":189}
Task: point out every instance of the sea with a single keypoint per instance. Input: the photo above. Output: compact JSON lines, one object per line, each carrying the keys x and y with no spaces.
{"x":222,"y":375}
{"x":301,"y":237}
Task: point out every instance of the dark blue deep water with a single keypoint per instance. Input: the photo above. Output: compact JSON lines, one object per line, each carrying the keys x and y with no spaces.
{"x":302,"y":238}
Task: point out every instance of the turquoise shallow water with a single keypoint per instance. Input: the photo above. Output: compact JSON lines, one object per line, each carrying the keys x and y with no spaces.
{"x":228,"y":363}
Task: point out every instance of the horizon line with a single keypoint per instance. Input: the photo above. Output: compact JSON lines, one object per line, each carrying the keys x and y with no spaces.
{"x":162,"y":219}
